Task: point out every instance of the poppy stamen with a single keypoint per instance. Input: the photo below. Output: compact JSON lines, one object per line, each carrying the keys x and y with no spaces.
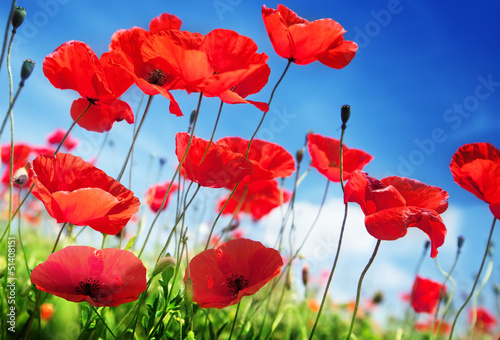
{"x":235,"y":284}
{"x":156,"y":77}
{"x":89,"y":287}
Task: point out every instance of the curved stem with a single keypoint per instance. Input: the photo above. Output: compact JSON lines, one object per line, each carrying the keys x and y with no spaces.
{"x":358,"y":294}
{"x":134,"y":139}
{"x":477,"y":279}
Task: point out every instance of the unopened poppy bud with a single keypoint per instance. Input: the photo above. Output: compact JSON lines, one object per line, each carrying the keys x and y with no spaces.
{"x":427,"y":245}
{"x":378,"y":298}
{"x":18,"y":17}
{"x":188,"y":291}
{"x":27,"y":69}
{"x":299,"y":155}
{"x":460,"y":242}
{"x":305,"y":275}
{"x":164,"y":263}
{"x":21,"y":176}
{"x":162,"y":161}
{"x":234,"y":224}
{"x":345,"y":113}
{"x":192,"y":117}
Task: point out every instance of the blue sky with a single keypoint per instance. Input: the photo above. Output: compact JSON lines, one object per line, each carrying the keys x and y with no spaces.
{"x":425,"y":81}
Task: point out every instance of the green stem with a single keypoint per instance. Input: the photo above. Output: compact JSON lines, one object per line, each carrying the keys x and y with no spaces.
{"x":358,"y":294}
{"x":477,"y":279}
{"x":104,"y":322}
{"x":120,"y":175}
{"x":6,"y":34}
{"x":234,"y":320}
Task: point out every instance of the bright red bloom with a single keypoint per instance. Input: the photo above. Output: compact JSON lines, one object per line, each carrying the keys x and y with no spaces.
{"x":325,"y":157}
{"x":270,"y":160}
{"x":476,"y":168}
{"x":56,"y":137}
{"x":259,"y":198}
{"x":303,"y":42}
{"x":74,"y":65}
{"x":75,"y":191}
{"x":426,"y":294}
{"x":150,"y":76}
{"x":221,"y":167}
{"x":156,"y":194}
{"x":485,"y":320}
{"x":102,"y":277}
{"x":222,"y":63}
{"x":222,"y":276}
{"x":393,"y":205}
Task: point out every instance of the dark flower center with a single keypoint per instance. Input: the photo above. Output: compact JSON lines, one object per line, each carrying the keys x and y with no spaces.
{"x":89,"y":287}
{"x":156,"y":77}
{"x":236,"y":283}
{"x":92,"y":100}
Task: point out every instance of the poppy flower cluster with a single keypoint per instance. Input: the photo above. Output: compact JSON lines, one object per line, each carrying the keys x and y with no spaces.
{"x":394,"y":204}
{"x":240,"y":267}
{"x":102,"y":277}
{"x":476,"y":168}
{"x":75,"y":191}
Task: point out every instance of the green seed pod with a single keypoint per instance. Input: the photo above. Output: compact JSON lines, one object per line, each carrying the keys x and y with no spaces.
{"x":27,"y":69}
{"x":18,"y":17}
{"x":345,"y":113}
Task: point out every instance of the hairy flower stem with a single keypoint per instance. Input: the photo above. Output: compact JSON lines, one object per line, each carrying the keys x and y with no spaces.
{"x":120,"y":175}
{"x":477,"y":279}
{"x":358,"y":293}
{"x":341,"y":236}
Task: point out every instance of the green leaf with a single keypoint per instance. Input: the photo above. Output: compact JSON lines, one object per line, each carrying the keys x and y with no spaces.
{"x":130,"y":242}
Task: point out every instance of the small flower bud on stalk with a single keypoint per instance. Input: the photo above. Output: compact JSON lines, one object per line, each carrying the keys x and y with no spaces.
{"x":164,"y":263}
{"x":188,"y":291}
{"x":21,"y":176}
{"x":26,"y":70}
{"x":18,"y":18}
{"x":378,"y":298}
{"x":299,"y":155}
{"x":460,"y":243}
{"x":345,"y":113}
{"x":305,"y":275}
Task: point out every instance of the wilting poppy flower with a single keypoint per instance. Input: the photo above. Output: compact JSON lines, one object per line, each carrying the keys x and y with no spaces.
{"x":485,"y":320}
{"x":394,"y":204}
{"x":150,"y":76}
{"x":476,"y":168}
{"x":325,"y":157}
{"x":156,"y":194}
{"x":222,"y":276}
{"x":74,"y":65}
{"x":222,"y":63}
{"x":56,"y":137}
{"x":102,"y":277}
{"x":303,"y":42}
{"x":426,"y":294}
{"x":259,"y":199}
{"x":75,"y":191}
{"x":221,"y":167}
{"x":270,"y":160}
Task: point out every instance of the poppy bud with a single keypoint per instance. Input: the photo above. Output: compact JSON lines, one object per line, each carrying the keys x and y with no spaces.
{"x":164,"y":263}
{"x":345,"y":113}
{"x":21,"y":176}
{"x":460,"y":242}
{"x":378,"y":297}
{"x":192,"y":117}
{"x":26,"y":69}
{"x":188,"y":291}
{"x":162,"y":161}
{"x":427,"y":245}
{"x":299,"y":155}
{"x":18,"y":17}
{"x":305,"y":274}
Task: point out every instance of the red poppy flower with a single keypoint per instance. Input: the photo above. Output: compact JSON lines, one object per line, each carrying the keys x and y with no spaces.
{"x":156,"y":194}
{"x":303,"y":42}
{"x":74,"y":65}
{"x":150,"y":76}
{"x":485,"y":320}
{"x":325,"y":157}
{"x":102,"y":277}
{"x":56,"y":137}
{"x":75,"y":191}
{"x":46,"y":311}
{"x":393,"y":205}
{"x":270,"y":160}
{"x":22,"y":153}
{"x":221,"y":167}
{"x":222,"y":63}
{"x":222,"y":276}
{"x":476,"y":168}
{"x":427,"y":326}
{"x":425,"y":295}
{"x":259,"y":198}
